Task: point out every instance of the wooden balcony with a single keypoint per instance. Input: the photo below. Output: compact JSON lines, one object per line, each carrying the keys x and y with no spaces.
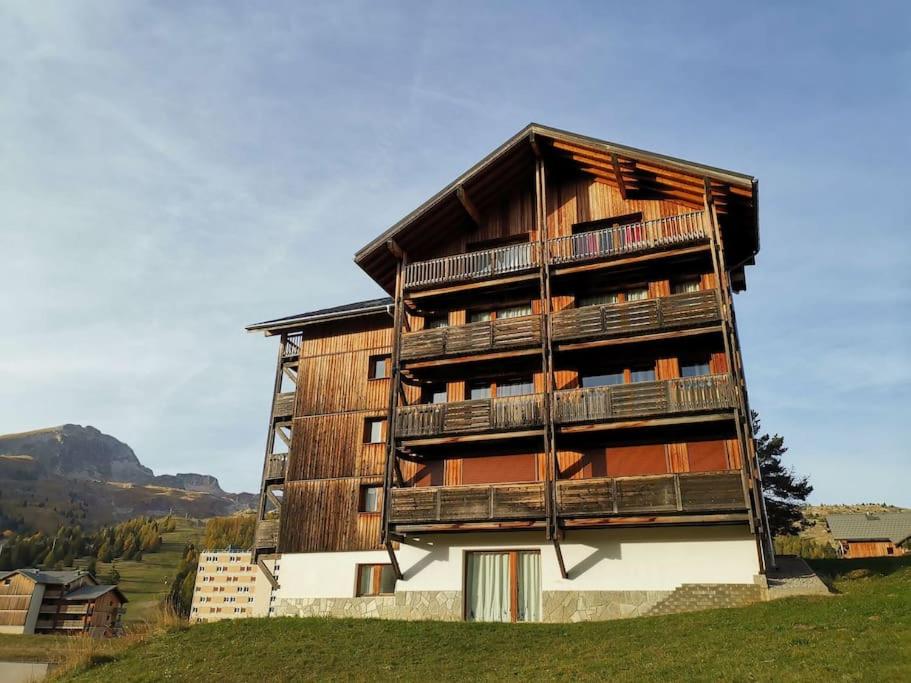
{"x":275,"y":467}
{"x":645,"y":399}
{"x":503,"y":414}
{"x":473,"y":266}
{"x":475,"y":503}
{"x":266,"y":534}
{"x":675,"y":312}
{"x":480,"y":337}
{"x":664,"y":493}
{"x":283,"y":407}
{"x":292,"y":346}
{"x":622,"y":240}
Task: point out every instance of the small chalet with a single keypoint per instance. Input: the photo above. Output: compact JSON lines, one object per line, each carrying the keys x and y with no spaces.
{"x":871,"y":535}
{"x":60,"y":602}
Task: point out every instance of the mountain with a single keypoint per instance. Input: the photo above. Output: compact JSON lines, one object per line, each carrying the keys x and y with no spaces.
{"x":38,"y":471}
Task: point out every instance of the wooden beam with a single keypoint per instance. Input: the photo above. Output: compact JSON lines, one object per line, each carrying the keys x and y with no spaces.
{"x":394,"y":249}
{"x":651,"y":422}
{"x":560,"y":561}
{"x":601,"y":265}
{"x":474,"y":358}
{"x":535,"y":147}
{"x":469,"y":206}
{"x":620,"y":182}
{"x":650,"y":520}
{"x":469,"y":438}
{"x":455,"y":527}
{"x":270,"y":577}
{"x":498,"y":282}
{"x":393,"y":560}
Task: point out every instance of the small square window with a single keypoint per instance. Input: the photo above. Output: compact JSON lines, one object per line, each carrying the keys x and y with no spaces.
{"x":370,"y":499}
{"x":374,"y":430}
{"x":375,"y":579}
{"x":380,"y":367}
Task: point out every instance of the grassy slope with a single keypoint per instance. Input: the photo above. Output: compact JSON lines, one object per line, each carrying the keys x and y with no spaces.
{"x":865,"y":633}
{"x":145,"y":583}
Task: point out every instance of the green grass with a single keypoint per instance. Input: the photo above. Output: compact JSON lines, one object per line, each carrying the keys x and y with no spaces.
{"x":15,"y":648}
{"x":862,"y":634}
{"x":145,"y":583}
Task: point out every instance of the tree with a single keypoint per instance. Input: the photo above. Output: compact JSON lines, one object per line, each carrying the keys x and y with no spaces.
{"x":114,"y":576}
{"x":784,"y":491}
{"x":92,"y":566}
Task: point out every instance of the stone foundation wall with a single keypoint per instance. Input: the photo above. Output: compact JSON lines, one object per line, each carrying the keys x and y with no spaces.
{"x":556,"y":606}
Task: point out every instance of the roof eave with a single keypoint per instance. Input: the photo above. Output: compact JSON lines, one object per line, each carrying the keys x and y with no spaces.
{"x":270,"y":328}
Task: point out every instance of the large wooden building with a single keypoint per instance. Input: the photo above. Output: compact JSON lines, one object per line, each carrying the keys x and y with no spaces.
{"x":545,"y":420}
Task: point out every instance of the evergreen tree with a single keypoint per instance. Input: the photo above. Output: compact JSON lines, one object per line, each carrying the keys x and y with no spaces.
{"x":784,"y":491}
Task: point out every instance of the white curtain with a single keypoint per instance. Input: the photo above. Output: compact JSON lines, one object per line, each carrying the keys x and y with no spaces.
{"x":529,"y":587}
{"x":488,"y":587}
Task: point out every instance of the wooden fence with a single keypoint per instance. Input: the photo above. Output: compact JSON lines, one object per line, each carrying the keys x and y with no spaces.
{"x":468,"y":503}
{"x":491,"y":335}
{"x":475,"y":265}
{"x":480,"y":415}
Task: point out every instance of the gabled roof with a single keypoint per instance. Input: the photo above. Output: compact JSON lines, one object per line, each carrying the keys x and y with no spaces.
{"x":93,"y":593}
{"x":356,"y":309}
{"x":892,"y":526}
{"x":53,"y":578}
{"x":641,"y":173}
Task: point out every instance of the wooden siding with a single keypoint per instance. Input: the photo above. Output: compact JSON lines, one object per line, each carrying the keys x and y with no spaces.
{"x":650,"y":315}
{"x":480,"y":337}
{"x":332,"y":446}
{"x":15,"y":600}
{"x":856,"y":549}
{"x":339,"y":382}
{"x":336,"y":524}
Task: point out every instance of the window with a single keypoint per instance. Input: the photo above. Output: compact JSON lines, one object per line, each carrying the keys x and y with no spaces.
{"x":434,"y":322}
{"x":642,"y":374}
{"x":514,"y":311}
{"x":375,"y":579}
{"x":515,"y":387}
{"x":479,"y":390}
{"x":435,"y":393}
{"x":370,"y":499}
{"x":685,"y":286}
{"x":479,"y":316}
{"x":890,"y":550}
{"x":597,"y":299}
{"x":604,"y":380}
{"x":380,"y":367}
{"x":374,"y":429}
{"x":695,"y":367}
{"x":637,"y":294}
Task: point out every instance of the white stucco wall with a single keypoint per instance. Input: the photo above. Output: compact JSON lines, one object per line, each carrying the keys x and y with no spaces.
{"x":598,"y":560}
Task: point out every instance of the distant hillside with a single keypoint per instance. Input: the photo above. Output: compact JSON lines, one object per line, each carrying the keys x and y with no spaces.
{"x":38,"y":470}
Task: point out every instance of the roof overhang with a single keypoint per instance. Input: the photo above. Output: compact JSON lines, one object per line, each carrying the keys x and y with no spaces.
{"x":642,"y":173}
{"x":299,"y":322}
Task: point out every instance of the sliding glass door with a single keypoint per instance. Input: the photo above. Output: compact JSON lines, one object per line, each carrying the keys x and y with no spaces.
{"x":503,"y":586}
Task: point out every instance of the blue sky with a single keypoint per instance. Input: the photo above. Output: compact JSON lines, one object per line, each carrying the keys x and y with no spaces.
{"x":172,"y":171}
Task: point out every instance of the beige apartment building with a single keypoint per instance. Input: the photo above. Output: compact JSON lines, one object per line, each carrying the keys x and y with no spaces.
{"x":228,"y":586}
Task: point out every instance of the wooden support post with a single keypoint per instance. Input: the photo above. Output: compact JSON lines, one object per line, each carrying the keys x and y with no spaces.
{"x":621,"y":184}
{"x":393,"y":560}
{"x":559,"y":551}
{"x":469,"y":206}
{"x":270,"y":577}
{"x":394,"y":385}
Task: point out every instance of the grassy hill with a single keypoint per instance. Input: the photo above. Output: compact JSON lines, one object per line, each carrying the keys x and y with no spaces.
{"x":862,"y":634}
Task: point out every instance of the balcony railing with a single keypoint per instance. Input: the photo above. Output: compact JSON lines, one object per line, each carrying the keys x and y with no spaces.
{"x":501,"y":414}
{"x":283,"y":406}
{"x":651,"y":315}
{"x":476,"y":265}
{"x":644,"y":399}
{"x":292,"y":346}
{"x":619,"y":240}
{"x":467,"y":503}
{"x":690,"y":492}
{"x":267,"y":534}
{"x":275,"y":466}
{"x":492,"y":335}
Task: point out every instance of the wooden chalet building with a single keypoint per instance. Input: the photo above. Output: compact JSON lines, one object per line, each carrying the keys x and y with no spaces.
{"x":881,"y":534}
{"x":545,"y":420}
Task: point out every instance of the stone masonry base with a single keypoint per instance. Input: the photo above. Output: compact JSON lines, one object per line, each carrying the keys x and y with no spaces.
{"x":556,"y":606}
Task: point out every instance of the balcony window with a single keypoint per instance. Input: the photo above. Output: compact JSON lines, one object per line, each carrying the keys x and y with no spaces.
{"x":685,"y":286}
{"x":515,"y":387}
{"x":380,"y":367}
{"x":370,"y":498}
{"x":514,"y":311}
{"x":479,"y":390}
{"x":604,"y":380}
{"x":638,"y":294}
{"x":642,"y":374}
{"x":375,"y":579}
{"x":695,"y":367}
{"x":374,"y":430}
{"x":598,"y":299}
{"x":479,"y":316}
{"x":435,"y":322}
{"x":435,"y":393}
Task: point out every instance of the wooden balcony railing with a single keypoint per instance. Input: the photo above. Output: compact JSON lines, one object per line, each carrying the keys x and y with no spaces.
{"x":275,"y":466}
{"x":476,"y":503}
{"x":501,"y":414}
{"x":283,"y":407}
{"x":651,"y":315}
{"x":476,"y":265}
{"x":627,"y":239}
{"x":690,"y":492}
{"x":267,"y":533}
{"x":644,"y":399}
{"x":292,"y":346}
{"x":491,"y":335}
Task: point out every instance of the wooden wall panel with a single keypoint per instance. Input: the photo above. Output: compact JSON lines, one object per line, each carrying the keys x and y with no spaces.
{"x":337,"y":383}
{"x":330,"y":446}
{"x":355,"y":335}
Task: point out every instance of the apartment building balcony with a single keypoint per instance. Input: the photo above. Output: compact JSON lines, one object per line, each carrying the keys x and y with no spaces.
{"x":283,"y":406}
{"x":291,"y":348}
{"x":275,"y":467}
{"x":650,"y":316}
{"x":707,"y":393}
{"x":692,"y":492}
{"x":474,"y":338}
{"x":467,"y":503}
{"x":669,"y":232}
{"x":501,"y":414}
{"x":511,"y":261}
